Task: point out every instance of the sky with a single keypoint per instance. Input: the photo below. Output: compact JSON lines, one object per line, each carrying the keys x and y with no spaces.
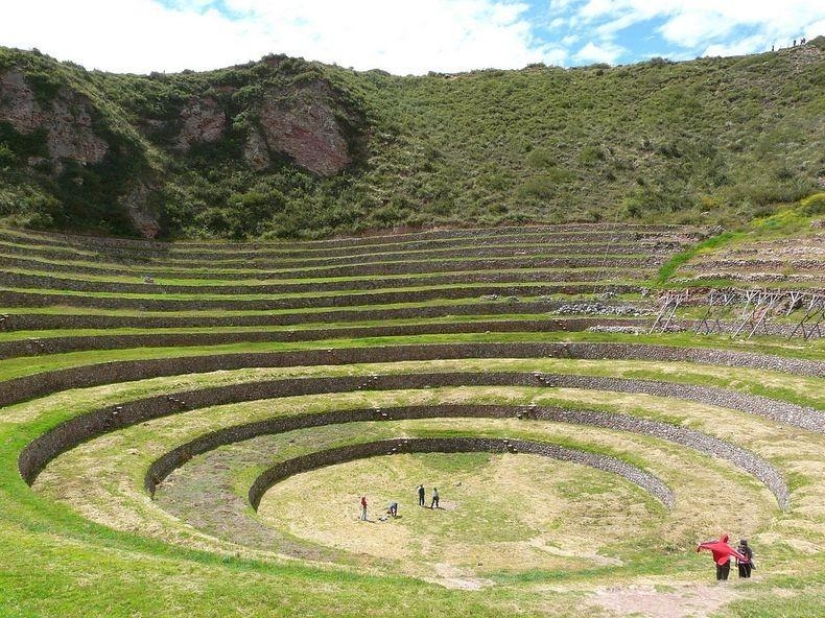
{"x":399,"y":36}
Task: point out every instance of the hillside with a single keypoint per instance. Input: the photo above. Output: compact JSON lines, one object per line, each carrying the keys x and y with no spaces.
{"x":288,"y":148}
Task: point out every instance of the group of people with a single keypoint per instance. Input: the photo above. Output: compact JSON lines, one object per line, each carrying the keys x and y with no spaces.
{"x":722,"y":553}
{"x":392,"y":507}
{"x":392,"y":510}
{"x":803,"y":41}
{"x":422,"y":497}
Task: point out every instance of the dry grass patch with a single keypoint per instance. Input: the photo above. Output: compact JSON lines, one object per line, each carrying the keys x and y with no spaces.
{"x":498,"y":512}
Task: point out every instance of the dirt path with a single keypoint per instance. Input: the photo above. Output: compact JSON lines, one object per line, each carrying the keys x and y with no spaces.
{"x":648,"y":600}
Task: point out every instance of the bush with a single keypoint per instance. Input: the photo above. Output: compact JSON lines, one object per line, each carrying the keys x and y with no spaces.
{"x":591,"y":155}
{"x":813,"y":205}
{"x":541,"y":158}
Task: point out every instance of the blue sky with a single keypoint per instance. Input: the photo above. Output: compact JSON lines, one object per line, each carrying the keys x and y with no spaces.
{"x":402,"y":37}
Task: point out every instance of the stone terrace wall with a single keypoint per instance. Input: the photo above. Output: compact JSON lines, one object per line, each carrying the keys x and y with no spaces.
{"x":651,"y":484}
{"x":24,"y":388}
{"x":746,"y":460}
{"x":93,"y":424}
{"x":262,"y":271}
{"x":60,"y":345}
{"x":158,"y":303}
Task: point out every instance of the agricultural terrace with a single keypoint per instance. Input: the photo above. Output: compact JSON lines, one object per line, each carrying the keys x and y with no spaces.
{"x":187,"y":428}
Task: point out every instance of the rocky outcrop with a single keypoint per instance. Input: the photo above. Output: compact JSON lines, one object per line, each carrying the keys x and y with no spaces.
{"x":136,"y":203}
{"x":67,"y":120}
{"x":256,"y":153}
{"x":301,"y":123}
{"x":204,"y":121}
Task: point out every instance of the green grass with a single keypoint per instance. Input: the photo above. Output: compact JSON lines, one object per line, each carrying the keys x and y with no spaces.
{"x":18,"y":367}
{"x":87,"y":540}
{"x":791,"y":223}
{"x":669,"y":268}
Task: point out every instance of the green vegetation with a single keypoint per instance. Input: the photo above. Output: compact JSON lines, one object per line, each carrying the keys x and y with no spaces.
{"x":672,"y":265}
{"x":517,"y":535}
{"x":711,"y":141}
{"x":791,"y":235}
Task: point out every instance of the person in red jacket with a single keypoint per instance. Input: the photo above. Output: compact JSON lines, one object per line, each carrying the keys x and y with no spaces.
{"x":722,"y":553}
{"x":363,"y":508}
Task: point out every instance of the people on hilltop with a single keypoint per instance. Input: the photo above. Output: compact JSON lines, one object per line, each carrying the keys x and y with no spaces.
{"x":421,"y":495}
{"x":722,"y":553}
{"x":745,"y":566}
{"x":434,"y":503}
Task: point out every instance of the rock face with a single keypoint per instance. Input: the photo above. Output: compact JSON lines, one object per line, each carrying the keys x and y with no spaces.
{"x":142,"y":218}
{"x":256,"y":153}
{"x":203,"y":122}
{"x":67,"y":120}
{"x":109,"y":159}
{"x":301,"y":123}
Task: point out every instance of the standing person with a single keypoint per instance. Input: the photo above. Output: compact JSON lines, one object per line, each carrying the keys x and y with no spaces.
{"x":745,"y":567}
{"x":421,"y":492}
{"x":363,"y":508}
{"x":721,"y":555}
{"x":434,"y":503}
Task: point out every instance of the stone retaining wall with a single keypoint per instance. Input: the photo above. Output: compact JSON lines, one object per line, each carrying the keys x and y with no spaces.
{"x":69,"y":434}
{"x":282,"y":255}
{"x":741,"y":458}
{"x":648,"y":482}
{"x":63,"y":281}
{"x":60,"y":345}
{"x":159,"y":303}
{"x":25,"y":388}
{"x":260,"y":271}
{"x":66,"y":320}
{"x":582,"y":233}
{"x":392,"y":253}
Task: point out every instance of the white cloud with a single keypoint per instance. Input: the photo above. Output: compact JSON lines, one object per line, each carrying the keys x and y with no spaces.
{"x":557,"y":57}
{"x":401,"y":37}
{"x":696,"y":28}
{"x":688,"y":29}
{"x":815,"y":29}
{"x":129,"y":35}
{"x":740,"y":47}
{"x":592,"y":53}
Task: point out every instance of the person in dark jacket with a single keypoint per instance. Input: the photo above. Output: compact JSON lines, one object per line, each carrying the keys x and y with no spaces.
{"x":745,"y":566}
{"x":421,"y":494}
{"x":722,"y":553}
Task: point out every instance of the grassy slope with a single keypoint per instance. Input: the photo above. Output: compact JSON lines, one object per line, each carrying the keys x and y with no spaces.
{"x":656,"y":141}
{"x":798,"y":227}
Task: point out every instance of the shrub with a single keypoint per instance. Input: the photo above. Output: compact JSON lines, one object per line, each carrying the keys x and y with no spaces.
{"x":591,"y":155}
{"x":813,"y":205}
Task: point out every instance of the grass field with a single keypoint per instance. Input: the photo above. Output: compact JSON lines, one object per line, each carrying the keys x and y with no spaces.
{"x":129,"y":471}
